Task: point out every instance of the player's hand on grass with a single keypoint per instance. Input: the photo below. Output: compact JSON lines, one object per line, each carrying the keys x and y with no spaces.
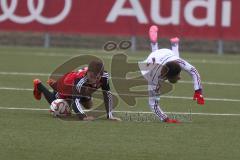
{"x":88,"y":118}
{"x":115,"y":119}
{"x":199,"y":97}
{"x":84,"y":117}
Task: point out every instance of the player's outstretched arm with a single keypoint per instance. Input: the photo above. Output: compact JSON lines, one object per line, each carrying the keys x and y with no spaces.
{"x":108,"y":100}
{"x":192,"y":71}
{"x":198,"y":97}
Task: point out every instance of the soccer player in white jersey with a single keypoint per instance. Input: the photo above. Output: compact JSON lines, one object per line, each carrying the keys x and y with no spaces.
{"x":165,"y":64}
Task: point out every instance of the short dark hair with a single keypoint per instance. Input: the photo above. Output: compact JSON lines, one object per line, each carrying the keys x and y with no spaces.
{"x":96,"y":66}
{"x":173,"y":69}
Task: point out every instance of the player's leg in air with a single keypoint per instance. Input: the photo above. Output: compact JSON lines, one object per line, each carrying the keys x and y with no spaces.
{"x":39,"y":89}
{"x":174,"y":44}
{"x":153,"y":36}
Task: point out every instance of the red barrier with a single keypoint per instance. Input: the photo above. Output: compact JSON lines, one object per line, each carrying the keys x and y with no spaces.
{"x":208,"y":19}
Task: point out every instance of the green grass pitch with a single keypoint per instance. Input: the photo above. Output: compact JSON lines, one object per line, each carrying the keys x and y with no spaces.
{"x":33,"y":134}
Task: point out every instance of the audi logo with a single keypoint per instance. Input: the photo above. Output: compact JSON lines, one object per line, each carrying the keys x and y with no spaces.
{"x":35,"y":12}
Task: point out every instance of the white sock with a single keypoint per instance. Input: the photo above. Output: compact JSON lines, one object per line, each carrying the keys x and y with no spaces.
{"x":154,"y":46}
{"x":175,"y":49}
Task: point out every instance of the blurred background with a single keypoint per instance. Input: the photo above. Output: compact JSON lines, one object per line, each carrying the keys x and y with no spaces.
{"x":209,"y":26}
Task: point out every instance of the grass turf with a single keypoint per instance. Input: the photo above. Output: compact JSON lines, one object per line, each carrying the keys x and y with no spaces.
{"x":36,"y":135}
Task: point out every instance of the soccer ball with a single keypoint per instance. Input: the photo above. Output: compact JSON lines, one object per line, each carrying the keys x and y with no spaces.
{"x":60,"y":107}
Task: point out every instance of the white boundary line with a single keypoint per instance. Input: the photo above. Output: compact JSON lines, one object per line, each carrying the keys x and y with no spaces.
{"x":15,"y":89}
{"x":214,"y":83}
{"x":23,"y":74}
{"x":133,"y":112}
{"x":208,"y":99}
{"x":169,"y":97}
{"x":109,"y":56}
{"x":48,"y":74}
{"x":204,"y":61}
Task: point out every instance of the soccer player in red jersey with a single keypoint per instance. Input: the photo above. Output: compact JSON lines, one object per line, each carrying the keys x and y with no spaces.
{"x":78,"y":87}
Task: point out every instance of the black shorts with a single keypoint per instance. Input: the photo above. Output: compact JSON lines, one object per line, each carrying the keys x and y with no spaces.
{"x":85,"y":99}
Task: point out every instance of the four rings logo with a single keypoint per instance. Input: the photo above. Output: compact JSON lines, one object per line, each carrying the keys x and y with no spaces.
{"x":8,"y":12}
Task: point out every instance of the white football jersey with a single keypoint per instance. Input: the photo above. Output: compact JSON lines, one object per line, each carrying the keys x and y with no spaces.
{"x":151,"y":67}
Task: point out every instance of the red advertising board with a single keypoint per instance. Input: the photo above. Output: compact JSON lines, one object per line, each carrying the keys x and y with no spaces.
{"x":208,"y":19}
